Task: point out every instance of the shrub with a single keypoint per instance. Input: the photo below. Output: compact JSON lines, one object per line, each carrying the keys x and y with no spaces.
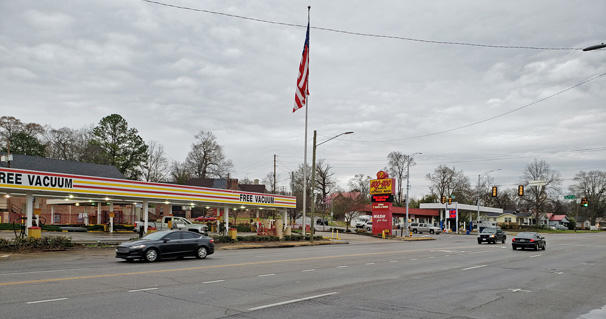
{"x":243,"y":228}
{"x":20,"y":244}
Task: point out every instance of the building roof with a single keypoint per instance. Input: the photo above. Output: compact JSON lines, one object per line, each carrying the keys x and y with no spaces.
{"x":402,"y":211}
{"x":557,"y":217}
{"x":37,"y":163}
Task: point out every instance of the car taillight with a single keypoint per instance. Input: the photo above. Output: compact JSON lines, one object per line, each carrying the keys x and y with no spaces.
{"x":212,"y":241}
{"x":513,"y":239}
{"x":532,"y":240}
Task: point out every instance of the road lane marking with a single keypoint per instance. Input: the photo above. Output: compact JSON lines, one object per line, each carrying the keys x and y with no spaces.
{"x":518,"y":290}
{"x":474,"y":267}
{"x":370,"y":264}
{"x":291,"y":301}
{"x":4,"y":256}
{"x":307,"y":270}
{"x":446,"y":251}
{"x":206,"y":267}
{"x":266,"y":275}
{"x":213,"y":281}
{"x":393,"y":261}
{"x":47,"y":300}
{"x":534,"y":256}
{"x":143,"y":289}
{"x":342,"y":266}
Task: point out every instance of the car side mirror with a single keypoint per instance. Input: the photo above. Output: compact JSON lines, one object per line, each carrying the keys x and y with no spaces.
{"x":166,"y":240}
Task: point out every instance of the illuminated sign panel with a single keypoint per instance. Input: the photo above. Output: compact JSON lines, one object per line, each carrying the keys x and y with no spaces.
{"x":383,"y":198}
{"x":382,"y":186}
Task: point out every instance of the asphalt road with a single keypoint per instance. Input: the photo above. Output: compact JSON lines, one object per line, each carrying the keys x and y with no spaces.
{"x":453,"y":277}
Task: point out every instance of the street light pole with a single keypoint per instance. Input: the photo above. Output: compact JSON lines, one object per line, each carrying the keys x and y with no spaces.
{"x":407,"y":188}
{"x":313,"y":178}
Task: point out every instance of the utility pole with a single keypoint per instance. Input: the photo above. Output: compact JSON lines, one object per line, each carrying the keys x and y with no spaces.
{"x":478,"y":202}
{"x":407,"y":188}
{"x":274,"y":186}
{"x":313,"y":184}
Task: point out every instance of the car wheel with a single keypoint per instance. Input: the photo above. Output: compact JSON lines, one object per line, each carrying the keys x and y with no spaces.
{"x":544,"y":246}
{"x":151,"y":255}
{"x":202,"y":253}
{"x":431,"y":231}
{"x":514,"y":247}
{"x":503,"y":241}
{"x":536,"y":247}
{"x":479,"y":242}
{"x":414,"y":231}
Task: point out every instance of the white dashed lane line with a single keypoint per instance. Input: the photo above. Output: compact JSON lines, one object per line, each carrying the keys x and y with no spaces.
{"x":342,"y":266}
{"x":143,"y":289}
{"x":213,"y":281}
{"x":290,"y":301}
{"x":474,"y":267}
{"x":266,"y":275}
{"x":47,"y":300}
{"x":308,"y":270}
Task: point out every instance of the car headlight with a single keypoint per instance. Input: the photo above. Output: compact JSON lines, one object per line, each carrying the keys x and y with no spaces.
{"x":137,"y":247}
{"x":491,"y":236}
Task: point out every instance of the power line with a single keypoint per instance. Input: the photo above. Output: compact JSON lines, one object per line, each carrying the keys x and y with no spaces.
{"x":587,"y":80}
{"x":364,"y":34}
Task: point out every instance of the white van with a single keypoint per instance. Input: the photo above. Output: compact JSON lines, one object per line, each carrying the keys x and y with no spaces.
{"x":360,"y":221}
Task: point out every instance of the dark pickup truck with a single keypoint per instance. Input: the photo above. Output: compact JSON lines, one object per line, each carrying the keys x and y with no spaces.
{"x":491,"y":235}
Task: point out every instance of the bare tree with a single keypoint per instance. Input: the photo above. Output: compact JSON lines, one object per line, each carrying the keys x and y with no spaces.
{"x":349,"y":216}
{"x":446,"y":181}
{"x":591,"y":185}
{"x":324,"y":182}
{"x":538,"y":198}
{"x":69,"y":144}
{"x":206,"y":158}
{"x":154,"y":167}
{"x":269,"y":181}
{"x":361,"y":183}
{"x":21,"y":138}
{"x":180,"y":173}
{"x":398,"y":163}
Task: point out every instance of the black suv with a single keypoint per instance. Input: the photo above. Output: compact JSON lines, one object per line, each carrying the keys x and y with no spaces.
{"x":491,"y":235}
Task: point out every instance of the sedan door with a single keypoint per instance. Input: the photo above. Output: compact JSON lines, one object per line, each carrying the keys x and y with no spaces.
{"x":190,"y":241}
{"x":172,"y":244}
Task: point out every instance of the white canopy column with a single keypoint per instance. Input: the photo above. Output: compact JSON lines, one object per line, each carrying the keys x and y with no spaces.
{"x":145,"y":215}
{"x":29,"y":211}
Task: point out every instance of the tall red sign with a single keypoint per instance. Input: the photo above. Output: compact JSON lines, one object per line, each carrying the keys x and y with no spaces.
{"x":380,"y":189}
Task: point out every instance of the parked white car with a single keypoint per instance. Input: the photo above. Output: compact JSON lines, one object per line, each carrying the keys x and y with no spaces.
{"x":419,"y":228}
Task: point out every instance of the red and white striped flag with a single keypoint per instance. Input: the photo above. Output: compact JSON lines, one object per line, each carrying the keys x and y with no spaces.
{"x":302,"y":91}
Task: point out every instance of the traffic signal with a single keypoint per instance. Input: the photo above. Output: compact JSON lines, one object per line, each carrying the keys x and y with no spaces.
{"x":443,"y":200}
{"x":520,"y":190}
{"x":449,"y":200}
{"x":584,"y":202}
{"x":493,"y":193}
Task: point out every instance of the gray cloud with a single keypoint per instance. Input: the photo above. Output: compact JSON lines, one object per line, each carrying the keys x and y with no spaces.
{"x":173,"y":72}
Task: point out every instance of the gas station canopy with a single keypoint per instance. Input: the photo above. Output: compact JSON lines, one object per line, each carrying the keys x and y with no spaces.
{"x":69,"y":186}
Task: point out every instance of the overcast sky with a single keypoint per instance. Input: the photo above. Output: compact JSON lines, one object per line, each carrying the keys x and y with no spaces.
{"x":173,"y":72}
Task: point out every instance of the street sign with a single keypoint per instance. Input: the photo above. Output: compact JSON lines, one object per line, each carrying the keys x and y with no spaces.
{"x":570,"y":197}
{"x":537,"y":183}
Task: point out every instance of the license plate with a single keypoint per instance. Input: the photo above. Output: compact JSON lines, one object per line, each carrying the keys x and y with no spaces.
{"x":122,"y":249}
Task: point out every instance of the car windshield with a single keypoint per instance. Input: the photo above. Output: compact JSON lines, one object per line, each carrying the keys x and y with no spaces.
{"x":526,"y":235}
{"x":156,"y":235}
{"x":489,"y":230}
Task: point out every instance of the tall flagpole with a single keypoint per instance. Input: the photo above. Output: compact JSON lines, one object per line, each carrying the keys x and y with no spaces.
{"x":304,"y":223}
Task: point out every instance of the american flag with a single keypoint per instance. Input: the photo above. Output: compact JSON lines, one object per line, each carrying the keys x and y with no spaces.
{"x":302,"y":80}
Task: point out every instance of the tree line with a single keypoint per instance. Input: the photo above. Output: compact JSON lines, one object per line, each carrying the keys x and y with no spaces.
{"x":112,"y":142}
